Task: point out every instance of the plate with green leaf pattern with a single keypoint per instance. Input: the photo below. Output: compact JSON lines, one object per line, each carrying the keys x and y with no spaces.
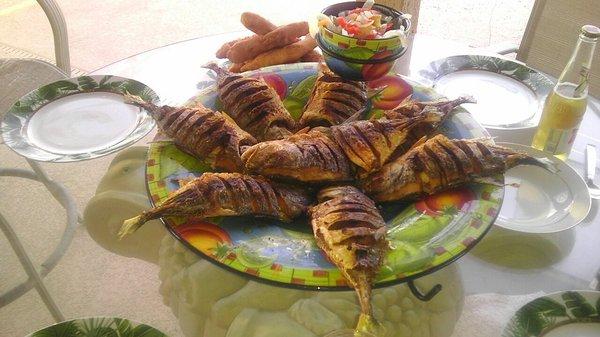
{"x":562,"y":314}
{"x":509,"y":94}
{"x":100,"y":327}
{"x":77,"y":119}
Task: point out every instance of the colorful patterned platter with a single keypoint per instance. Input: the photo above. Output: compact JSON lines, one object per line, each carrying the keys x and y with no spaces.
{"x":425,"y":235}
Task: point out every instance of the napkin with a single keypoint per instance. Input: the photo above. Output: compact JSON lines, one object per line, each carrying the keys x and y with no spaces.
{"x":485,"y":315}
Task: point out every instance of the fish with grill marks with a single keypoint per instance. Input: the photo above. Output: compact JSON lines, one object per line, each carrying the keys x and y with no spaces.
{"x":370,"y":143}
{"x":227,"y":194}
{"x":333,"y":100}
{"x":441,"y":163}
{"x":203,"y":133}
{"x":350,"y":230}
{"x":335,"y":154}
{"x":253,"y":105}
{"x":410,"y":108}
{"x":308,"y":156}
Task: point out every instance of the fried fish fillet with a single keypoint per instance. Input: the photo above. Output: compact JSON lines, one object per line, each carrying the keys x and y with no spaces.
{"x":203,"y":133}
{"x":349,"y":229}
{"x":333,"y":100}
{"x":334,"y":154}
{"x":227,"y":194}
{"x":441,"y":163}
{"x":253,"y":105}
{"x":311,"y":156}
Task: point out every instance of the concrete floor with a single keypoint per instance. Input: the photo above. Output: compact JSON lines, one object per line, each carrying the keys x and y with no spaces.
{"x":102,"y":32}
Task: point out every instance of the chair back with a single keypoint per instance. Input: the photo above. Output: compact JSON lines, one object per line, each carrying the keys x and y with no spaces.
{"x":551,"y":35}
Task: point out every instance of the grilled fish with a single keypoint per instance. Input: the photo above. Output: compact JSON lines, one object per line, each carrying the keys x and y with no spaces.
{"x":441,"y":163}
{"x":410,"y":108}
{"x":333,"y":154}
{"x":348,"y":227}
{"x":253,"y":105}
{"x":227,"y":194}
{"x":311,"y":156}
{"x":370,"y":143}
{"x":333,"y":100}
{"x":203,"y":133}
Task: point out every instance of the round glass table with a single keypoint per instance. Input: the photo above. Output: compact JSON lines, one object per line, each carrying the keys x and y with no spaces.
{"x":153,"y":279}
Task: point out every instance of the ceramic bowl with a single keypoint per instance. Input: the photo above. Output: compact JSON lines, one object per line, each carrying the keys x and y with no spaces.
{"x":358,"y":59}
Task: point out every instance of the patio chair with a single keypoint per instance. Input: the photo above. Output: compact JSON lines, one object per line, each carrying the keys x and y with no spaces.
{"x":18,"y":77}
{"x":551,"y":34}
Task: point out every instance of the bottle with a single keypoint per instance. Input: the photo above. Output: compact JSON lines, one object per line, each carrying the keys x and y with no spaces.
{"x":566,"y":104}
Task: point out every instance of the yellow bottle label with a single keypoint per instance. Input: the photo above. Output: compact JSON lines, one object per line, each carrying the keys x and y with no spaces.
{"x":560,"y":140}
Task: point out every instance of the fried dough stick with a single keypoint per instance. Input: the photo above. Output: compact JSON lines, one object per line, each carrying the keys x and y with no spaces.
{"x":284,"y":35}
{"x":287,"y":54}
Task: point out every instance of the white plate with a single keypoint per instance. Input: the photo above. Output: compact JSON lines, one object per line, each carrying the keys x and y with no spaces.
{"x":539,"y":201}
{"x":510,"y":96}
{"x":77,"y":119}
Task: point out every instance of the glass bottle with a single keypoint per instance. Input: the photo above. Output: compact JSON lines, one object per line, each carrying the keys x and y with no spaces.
{"x":566,"y":104}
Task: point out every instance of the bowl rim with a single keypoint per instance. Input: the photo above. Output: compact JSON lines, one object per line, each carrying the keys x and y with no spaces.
{"x":331,"y":53}
{"x":404,"y":21}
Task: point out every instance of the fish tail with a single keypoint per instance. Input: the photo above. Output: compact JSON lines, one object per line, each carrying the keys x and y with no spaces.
{"x":138,"y":101}
{"x":544,"y":163}
{"x":215,"y":67}
{"x":131,"y":225}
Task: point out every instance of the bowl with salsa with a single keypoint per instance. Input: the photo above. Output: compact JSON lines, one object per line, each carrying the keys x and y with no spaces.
{"x":361,"y":40}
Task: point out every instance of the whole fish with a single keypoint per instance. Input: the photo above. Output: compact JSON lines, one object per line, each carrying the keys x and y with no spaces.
{"x":350,"y":230}
{"x":333,"y":100}
{"x":335,"y":154}
{"x":308,"y":156}
{"x":253,"y":105}
{"x":227,"y":194}
{"x":441,"y":163}
{"x":203,"y":133}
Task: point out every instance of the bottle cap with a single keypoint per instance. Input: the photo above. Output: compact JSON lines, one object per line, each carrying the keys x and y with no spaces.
{"x":590,"y":31}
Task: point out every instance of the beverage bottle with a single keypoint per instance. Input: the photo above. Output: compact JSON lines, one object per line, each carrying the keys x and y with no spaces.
{"x":566,"y":104}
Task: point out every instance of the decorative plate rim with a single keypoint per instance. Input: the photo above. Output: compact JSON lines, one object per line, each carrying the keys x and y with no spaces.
{"x":303,"y":66}
{"x":429,"y":74}
{"x":555,"y":297}
{"x":15,"y":119}
{"x":112,"y":318}
{"x":576,"y":176}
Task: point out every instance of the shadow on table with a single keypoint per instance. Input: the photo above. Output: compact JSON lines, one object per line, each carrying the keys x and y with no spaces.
{"x":517,"y":250}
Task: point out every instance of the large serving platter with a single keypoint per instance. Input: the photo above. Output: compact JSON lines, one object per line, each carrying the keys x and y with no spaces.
{"x":424,"y":236}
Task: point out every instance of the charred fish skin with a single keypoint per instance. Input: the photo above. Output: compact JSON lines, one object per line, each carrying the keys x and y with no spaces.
{"x":333,"y":100}
{"x":410,"y":108}
{"x":201,"y":132}
{"x":227,"y":194}
{"x":370,"y":143}
{"x":253,"y":105}
{"x":311,"y":157}
{"x":441,"y":163}
{"x":350,"y":230}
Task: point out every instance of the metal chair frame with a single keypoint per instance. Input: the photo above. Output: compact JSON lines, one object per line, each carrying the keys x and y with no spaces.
{"x":58,"y":191}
